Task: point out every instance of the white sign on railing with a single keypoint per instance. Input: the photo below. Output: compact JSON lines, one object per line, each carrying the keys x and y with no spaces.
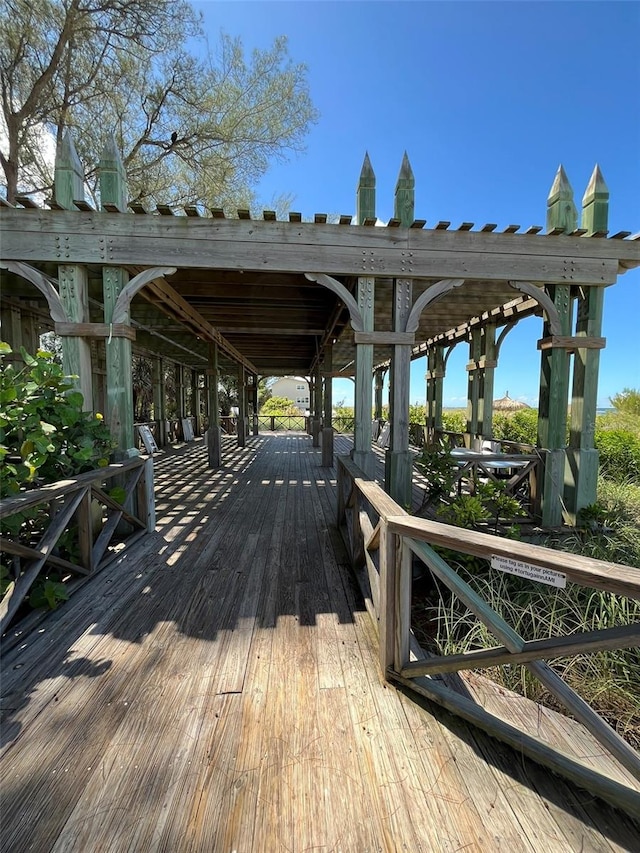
{"x":526,"y":570}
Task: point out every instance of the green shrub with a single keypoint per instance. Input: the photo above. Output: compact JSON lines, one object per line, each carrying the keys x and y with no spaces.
{"x":619,"y":454}
{"x":521,"y":426}
{"x":454,"y":420}
{"x":44,"y":434}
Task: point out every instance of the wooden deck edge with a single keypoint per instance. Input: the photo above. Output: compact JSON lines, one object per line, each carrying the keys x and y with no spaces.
{"x":616,"y":794}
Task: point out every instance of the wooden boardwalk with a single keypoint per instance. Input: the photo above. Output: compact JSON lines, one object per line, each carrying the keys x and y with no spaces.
{"x":218,"y":690}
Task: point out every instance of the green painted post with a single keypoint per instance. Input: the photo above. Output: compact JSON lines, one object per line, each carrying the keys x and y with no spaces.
{"x":72,"y":278}
{"x":487,"y":375}
{"x":195,"y":401}
{"x":473,"y":384}
{"x":214,"y":435}
{"x":159,"y":401}
{"x":241,"y":431}
{"x":362,"y":453}
{"x":404,"y":202}
{"x":378,"y":379}
{"x":316,"y":423}
{"x":561,"y":210}
{"x":327,"y":428}
{"x":554,"y":367}
{"x":582,"y":457}
{"x":255,"y":426}
{"x":366,"y":193}
{"x":398,"y":461}
{"x":113,"y":190}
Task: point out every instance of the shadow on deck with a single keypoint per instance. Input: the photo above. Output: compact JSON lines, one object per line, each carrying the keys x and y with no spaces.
{"x":218,"y":689}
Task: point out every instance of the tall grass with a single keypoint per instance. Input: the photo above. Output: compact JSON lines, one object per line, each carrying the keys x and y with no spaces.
{"x":609,"y":680}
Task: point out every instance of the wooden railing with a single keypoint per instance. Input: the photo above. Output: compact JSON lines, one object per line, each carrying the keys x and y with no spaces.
{"x":382,"y":539}
{"x":102,"y":525}
{"x":277,"y":423}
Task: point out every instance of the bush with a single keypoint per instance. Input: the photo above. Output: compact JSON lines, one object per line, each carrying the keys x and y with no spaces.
{"x":521,"y":426}
{"x":619,"y":454}
{"x":454,"y":420}
{"x":44,"y":434}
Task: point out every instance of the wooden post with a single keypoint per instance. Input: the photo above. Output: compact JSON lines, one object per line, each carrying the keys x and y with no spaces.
{"x":486,"y":383}
{"x":554,"y":367}
{"x":435,"y":381}
{"x":327,"y":428}
{"x":159,"y":401}
{"x":362,"y":453}
{"x":398,"y":473}
{"x":316,"y":424}
{"x":72,"y":278}
{"x":378,"y":378}
{"x":473,"y":383}
{"x":180,"y":395}
{"x":255,"y":425}
{"x":242,"y":407}
{"x":195,"y":400}
{"x":403,"y":206}
{"x":214,"y":436}
{"x":366,"y":193}
{"x":113,"y":190}
{"x":582,"y":457}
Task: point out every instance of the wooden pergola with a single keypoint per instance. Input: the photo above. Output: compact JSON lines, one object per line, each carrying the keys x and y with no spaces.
{"x":265,"y":297}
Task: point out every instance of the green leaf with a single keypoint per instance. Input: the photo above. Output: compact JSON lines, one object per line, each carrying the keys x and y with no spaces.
{"x":118,"y":494}
{"x":46,"y":428}
{"x":28,"y":359}
{"x":8,"y":395}
{"x":74,"y":398}
{"x":5,"y":349}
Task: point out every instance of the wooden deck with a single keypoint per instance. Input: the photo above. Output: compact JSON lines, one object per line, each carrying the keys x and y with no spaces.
{"x":218,"y":690}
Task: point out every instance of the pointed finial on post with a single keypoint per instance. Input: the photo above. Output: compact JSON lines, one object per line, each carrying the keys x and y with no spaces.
{"x":113,"y":178}
{"x":366,"y":193}
{"x":595,"y":204}
{"x":68,"y":182}
{"x":403,"y":208}
{"x":561,"y":211}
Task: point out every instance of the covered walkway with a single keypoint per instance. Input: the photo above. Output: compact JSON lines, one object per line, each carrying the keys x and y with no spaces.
{"x":218,"y":689}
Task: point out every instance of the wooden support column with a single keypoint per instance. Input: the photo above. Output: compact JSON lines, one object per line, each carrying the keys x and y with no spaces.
{"x":195,"y":400}
{"x":316,"y":423}
{"x":582,"y":458}
{"x":554,"y":368}
{"x":378,"y":382}
{"x":473,"y":383}
{"x":327,"y":428}
{"x":254,"y":424}
{"x":113,"y":190}
{"x":159,"y":401}
{"x":72,"y":278}
{"x":486,"y":383}
{"x":214,"y":436}
{"x":398,"y":472}
{"x":180,"y":395}
{"x":435,"y":384}
{"x":362,"y":453}
{"x":241,"y":431}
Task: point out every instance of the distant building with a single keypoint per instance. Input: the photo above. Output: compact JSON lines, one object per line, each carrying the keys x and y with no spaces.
{"x":295,"y":388}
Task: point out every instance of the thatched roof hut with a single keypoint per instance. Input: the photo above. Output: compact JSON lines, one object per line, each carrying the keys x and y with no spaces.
{"x":506,"y":404}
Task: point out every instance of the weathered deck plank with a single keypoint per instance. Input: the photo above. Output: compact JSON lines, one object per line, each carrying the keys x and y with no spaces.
{"x":218,"y":690}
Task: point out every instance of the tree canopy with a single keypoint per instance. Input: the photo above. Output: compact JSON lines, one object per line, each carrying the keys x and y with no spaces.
{"x":195,"y":124}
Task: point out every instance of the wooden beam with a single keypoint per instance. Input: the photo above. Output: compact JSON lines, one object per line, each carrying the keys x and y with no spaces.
{"x":95,"y":330}
{"x":336,"y":250}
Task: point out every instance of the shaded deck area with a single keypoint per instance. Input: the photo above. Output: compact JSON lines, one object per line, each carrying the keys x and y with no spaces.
{"x":218,"y":690}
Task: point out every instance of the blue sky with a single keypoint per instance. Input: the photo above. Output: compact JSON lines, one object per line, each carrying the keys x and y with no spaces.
{"x":487,"y":98}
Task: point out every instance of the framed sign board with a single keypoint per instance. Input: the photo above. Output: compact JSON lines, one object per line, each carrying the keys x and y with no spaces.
{"x":147,"y":439}
{"x":187,"y":429}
